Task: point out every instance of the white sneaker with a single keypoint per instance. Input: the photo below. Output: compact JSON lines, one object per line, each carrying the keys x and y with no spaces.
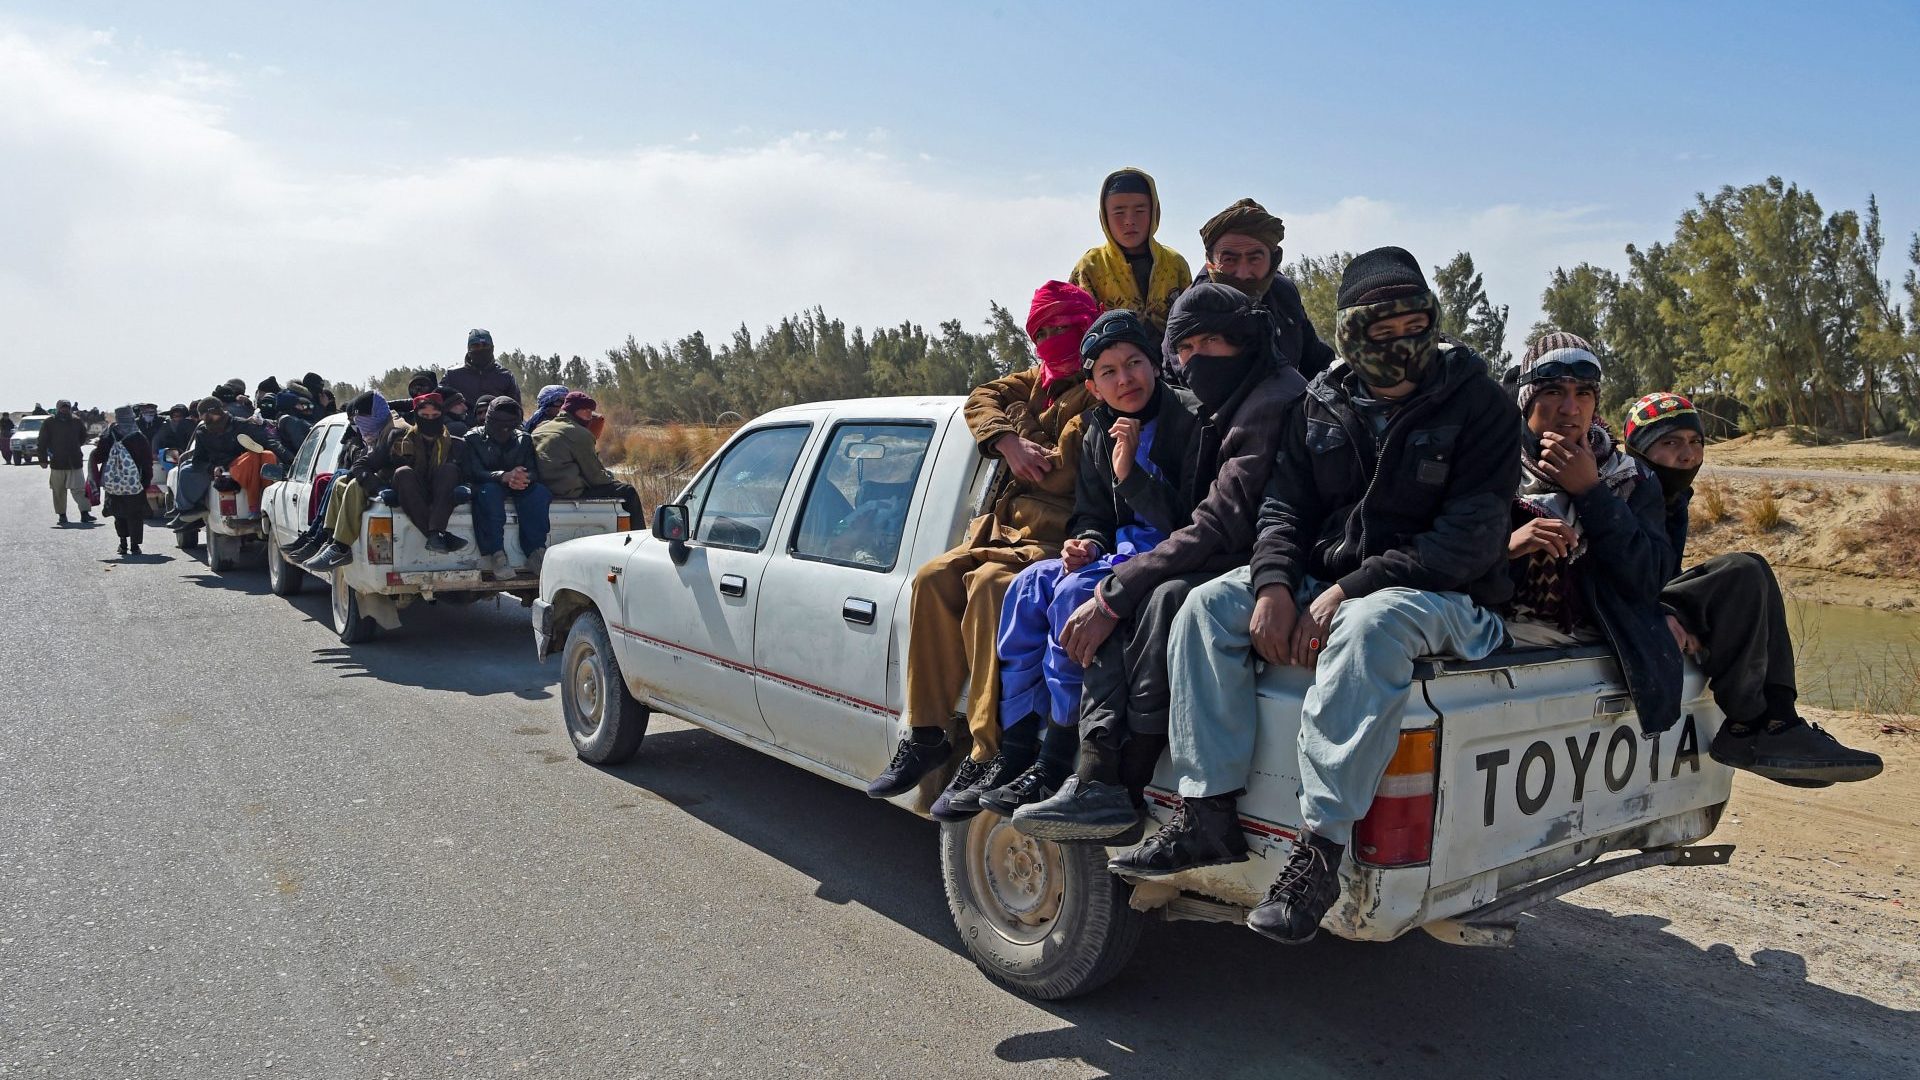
{"x":535,"y":558}
{"x":495,"y":567}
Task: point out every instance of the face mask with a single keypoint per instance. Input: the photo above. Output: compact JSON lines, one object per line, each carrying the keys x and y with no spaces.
{"x":429,"y":427}
{"x":1213,"y":379}
{"x":1673,"y":482}
{"x":1395,"y":360}
{"x":1059,"y":356}
{"x":1255,"y":288}
{"x":148,"y":415}
{"x":501,"y":428}
{"x":480,"y":356}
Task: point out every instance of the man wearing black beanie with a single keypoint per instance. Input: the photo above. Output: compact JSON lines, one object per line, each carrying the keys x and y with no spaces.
{"x":1383,"y":537}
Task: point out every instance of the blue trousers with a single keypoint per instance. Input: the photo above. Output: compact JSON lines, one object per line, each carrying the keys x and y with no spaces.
{"x":490,"y":516}
{"x":1036,"y":675}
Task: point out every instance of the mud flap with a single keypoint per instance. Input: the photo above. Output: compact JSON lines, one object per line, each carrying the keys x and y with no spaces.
{"x":381,"y":609}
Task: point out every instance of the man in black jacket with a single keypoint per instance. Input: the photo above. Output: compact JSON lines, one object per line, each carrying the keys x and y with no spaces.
{"x":1225,"y":350}
{"x":1728,"y":614}
{"x":217,"y":443}
{"x":481,"y":373}
{"x":62,"y":438}
{"x":1381,"y":539}
{"x":1243,"y":250}
{"x":498,"y":462}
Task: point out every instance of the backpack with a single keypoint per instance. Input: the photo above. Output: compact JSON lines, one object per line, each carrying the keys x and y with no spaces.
{"x":121,"y":476}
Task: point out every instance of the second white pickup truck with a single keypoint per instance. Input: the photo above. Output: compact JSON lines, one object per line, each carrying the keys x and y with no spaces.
{"x":392,"y":566}
{"x":769,"y":605}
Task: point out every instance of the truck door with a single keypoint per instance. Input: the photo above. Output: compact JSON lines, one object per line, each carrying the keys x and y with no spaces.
{"x":829,"y":661}
{"x":687,"y":635}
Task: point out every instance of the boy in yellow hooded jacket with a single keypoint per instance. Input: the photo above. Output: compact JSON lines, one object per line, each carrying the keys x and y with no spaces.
{"x":1132,"y":270}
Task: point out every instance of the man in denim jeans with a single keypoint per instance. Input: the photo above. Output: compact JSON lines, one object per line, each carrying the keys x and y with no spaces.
{"x":1383,"y":537}
{"x":498,"y":461}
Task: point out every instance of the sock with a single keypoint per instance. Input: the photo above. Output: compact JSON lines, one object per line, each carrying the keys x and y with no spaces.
{"x":1780,"y":712}
{"x":1099,"y":760}
{"x":1020,"y":742}
{"x":1059,"y":745}
{"x":1138,"y":758}
{"x":929,"y":736}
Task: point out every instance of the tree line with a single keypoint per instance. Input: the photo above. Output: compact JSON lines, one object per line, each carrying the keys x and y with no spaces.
{"x":1762,"y":306}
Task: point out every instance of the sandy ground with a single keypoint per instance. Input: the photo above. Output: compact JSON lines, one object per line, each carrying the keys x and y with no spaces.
{"x":1789,"y":448}
{"x":1838,"y":541}
{"x":1828,"y":874}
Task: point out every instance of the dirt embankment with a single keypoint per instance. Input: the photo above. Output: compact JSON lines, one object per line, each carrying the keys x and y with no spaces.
{"x":1829,"y":541}
{"x":1799,"y":448}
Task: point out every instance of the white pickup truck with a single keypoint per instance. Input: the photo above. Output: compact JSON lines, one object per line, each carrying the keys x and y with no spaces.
{"x":769,"y":605}
{"x":391,"y":565}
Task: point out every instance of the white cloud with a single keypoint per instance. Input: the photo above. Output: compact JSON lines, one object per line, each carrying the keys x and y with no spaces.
{"x":153,"y":250}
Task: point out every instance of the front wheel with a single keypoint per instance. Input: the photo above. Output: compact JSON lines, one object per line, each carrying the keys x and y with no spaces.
{"x":284,"y":578}
{"x":604,"y":720}
{"x":352,"y":627}
{"x":1046,"y":920}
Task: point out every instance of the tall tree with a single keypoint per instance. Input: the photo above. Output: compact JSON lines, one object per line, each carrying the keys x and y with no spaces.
{"x":1318,"y":278}
{"x":1467,"y":314}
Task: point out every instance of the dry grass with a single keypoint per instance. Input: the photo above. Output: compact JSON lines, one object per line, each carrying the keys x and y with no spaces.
{"x":1891,"y":530}
{"x":1762,"y":512}
{"x":659,"y":459}
{"x":1709,"y":506}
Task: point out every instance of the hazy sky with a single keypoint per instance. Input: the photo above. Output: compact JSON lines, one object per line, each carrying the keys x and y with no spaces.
{"x":194,"y":192}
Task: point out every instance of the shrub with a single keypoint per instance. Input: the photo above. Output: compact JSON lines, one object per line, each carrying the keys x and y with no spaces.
{"x":1762,"y":512}
{"x":1709,"y":506}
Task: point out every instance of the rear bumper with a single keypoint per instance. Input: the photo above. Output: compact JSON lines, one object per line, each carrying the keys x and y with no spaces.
{"x":1495,"y":923}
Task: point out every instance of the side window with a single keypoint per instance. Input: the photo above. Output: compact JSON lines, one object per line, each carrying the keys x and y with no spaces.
{"x":734,"y":503}
{"x":303,"y":461}
{"x":856,"y":509}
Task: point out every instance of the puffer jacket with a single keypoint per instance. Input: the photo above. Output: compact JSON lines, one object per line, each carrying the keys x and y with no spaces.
{"x":1424,"y":506}
{"x":1018,"y":404}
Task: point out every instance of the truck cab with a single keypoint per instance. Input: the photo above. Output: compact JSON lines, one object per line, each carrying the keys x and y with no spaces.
{"x":769,"y":604}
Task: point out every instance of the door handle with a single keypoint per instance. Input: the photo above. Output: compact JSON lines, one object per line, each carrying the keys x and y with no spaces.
{"x":858,"y":610}
{"x":733,"y":585}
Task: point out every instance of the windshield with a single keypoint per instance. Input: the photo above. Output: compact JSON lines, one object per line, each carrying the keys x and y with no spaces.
{"x":31,"y":424}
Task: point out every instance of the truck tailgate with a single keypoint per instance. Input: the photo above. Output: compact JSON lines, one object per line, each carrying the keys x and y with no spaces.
{"x":1542,"y":755}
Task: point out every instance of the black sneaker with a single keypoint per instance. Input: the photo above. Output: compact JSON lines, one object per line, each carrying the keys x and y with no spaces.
{"x":966,"y":780}
{"x":1798,"y":753}
{"x":1032,"y":785}
{"x":123,"y":545}
{"x":1080,"y":810}
{"x":450,"y":542}
{"x":434,"y":543}
{"x":911,"y":763}
{"x":1203,"y":832}
{"x":334,"y":554}
{"x":1301,"y":896}
{"x":86,"y":518}
{"x":133,"y":550}
{"x":63,"y":519}
{"x":302,"y":549}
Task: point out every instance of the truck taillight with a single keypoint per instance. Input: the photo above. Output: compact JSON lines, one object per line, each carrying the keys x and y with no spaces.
{"x":380,"y":540}
{"x":1398,"y":828}
{"x":229,"y":504}
{"x":313,"y":498}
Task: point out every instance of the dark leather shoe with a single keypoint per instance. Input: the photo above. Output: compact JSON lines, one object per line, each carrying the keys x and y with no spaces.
{"x":1203,"y":832}
{"x":1799,"y":754}
{"x":1303,"y":893}
{"x":1080,"y":810}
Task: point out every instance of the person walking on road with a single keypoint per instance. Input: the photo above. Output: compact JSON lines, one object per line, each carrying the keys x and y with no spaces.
{"x":122,"y":462}
{"x":6,"y":437}
{"x":62,"y":437}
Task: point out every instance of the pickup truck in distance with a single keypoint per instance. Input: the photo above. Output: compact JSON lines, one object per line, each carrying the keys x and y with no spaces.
{"x":769,"y":605}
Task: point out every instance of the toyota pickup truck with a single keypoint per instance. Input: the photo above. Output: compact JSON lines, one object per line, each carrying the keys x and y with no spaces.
{"x":768,"y":604}
{"x":392,"y":567}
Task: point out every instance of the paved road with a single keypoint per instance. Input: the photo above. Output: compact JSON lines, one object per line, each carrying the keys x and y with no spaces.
{"x":231,"y":847}
{"x":1825,"y":476}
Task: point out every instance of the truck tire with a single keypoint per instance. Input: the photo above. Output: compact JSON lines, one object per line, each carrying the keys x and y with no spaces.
{"x":223,"y":552}
{"x":604,"y":720}
{"x":284,"y":578}
{"x":352,"y":627}
{"x":187,"y":539}
{"x":1043,"y":919}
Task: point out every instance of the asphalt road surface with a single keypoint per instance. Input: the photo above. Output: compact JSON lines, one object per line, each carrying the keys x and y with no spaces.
{"x":231,"y":847}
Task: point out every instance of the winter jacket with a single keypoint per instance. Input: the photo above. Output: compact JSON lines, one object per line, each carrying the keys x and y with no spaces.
{"x":1105,"y":272}
{"x":1677,"y":525}
{"x":1102,"y":508}
{"x":477,"y":382}
{"x":1424,"y":506}
{"x":569,"y":464}
{"x":483,"y":460}
{"x":1629,"y":559}
{"x":1233,"y":456}
{"x":1294,"y":339}
{"x":216,"y":449}
{"x":172,"y":436}
{"x":293,"y":431}
{"x":61,"y":441}
{"x":1018,"y":404}
{"x":410,"y":446}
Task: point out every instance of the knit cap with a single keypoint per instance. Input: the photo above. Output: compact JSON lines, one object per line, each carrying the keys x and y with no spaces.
{"x":1657,"y":414}
{"x":577,"y":400}
{"x":1555,"y":346}
{"x":1385,"y":273}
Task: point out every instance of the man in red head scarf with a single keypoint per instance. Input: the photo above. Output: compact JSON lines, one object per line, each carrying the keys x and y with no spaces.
{"x":1029,"y":420}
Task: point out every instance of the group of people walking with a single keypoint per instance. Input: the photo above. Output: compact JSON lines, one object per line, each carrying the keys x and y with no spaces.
{"x":1200,"y":492}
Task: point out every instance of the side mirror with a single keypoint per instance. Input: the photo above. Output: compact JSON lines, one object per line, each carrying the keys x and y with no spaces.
{"x":273,"y":472}
{"x":670,"y":524}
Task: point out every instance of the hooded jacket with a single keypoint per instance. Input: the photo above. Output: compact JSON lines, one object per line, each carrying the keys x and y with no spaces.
{"x":568,"y":462}
{"x":1105,"y":272}
{"x":1424,"y":506}
{"x":212,"y":449}
{"x":1019,"y":404}
{"x":473,"y":382}
{"x":1294,"y":339}
{"x":1102,"y":507}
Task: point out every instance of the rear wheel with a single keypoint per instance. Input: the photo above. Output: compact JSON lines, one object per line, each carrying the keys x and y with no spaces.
{"x":352,"y":626}
{"x":604,"y":720}
{"x":1044,"y":919}
{"x":284,"y":578}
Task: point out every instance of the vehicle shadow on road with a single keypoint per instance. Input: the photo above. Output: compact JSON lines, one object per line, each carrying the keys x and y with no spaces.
{"x":479,"y":649}
{"x":1585,"y":993}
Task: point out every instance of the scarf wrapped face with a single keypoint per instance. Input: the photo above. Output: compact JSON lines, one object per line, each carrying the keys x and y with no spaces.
{"x":1395,"y":360}
{"x":1546,"y":498}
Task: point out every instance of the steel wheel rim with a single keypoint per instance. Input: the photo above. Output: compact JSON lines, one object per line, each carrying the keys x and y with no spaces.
{"x":1022,"y":879}
{"x":585,"y":679}
{"x":339,"y":601}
